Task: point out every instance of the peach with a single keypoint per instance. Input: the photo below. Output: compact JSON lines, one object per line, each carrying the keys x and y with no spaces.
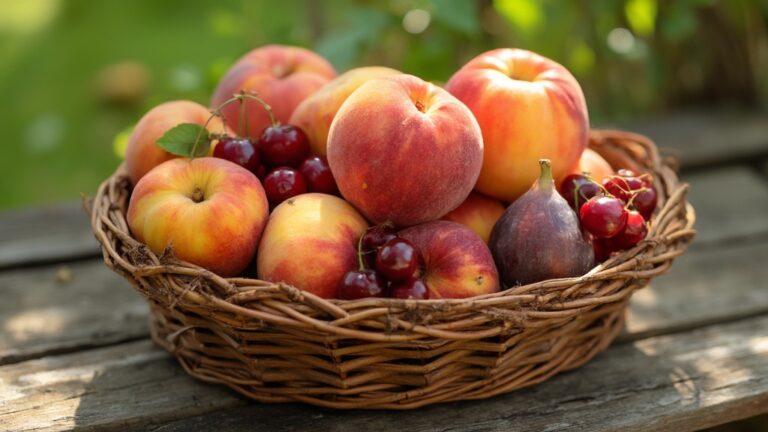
{"x":311,"y":242}
{"x":315,"y":114}
{"x":457,"y":263}
{"x":594,"y":164}
{"x":210,"y":212}
{"x":478,"y":213}
{"x":142,"y":153}
{"x":529,"y":108}
{"x":403,"y":150}
{"x":282,"y":76}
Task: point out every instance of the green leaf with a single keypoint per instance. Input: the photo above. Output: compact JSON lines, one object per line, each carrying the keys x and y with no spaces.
{"x":180,"y":140}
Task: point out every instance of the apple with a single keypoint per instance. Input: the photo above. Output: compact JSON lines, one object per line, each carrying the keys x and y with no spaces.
{"x":529,"y":108}
{"x":403,"y":150}
{"x":311,"y":242}
{"x":142,"y":153}
{"x":457,"y":263}
{"x":209,"y":211}
{"x":594,"y":164}
{"x":315,"y":114}
{"x":478,"y":213}
{"x":282,"y":76}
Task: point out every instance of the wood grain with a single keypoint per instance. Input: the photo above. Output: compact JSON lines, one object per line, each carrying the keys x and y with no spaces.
{"x":681,"y":382}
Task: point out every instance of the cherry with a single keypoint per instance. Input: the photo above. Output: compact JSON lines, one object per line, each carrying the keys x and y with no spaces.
{"x":603,"y":249}
{"x":361,"y":284}
{"x":241,"y":151}
{"x":261,"y":172}
{"x":577,"y":189}
{"x":634,"y":231}
{"x":622,"y":187}
{"x":318,"y":175}
{"x":645,"y":201}
{"x":603,"y":216}
{"x":283,"y":144}
{"x":397,"y":260}
{"x":373,"y":239}
{"x":410,"y":289}
{"x":283,"y":183}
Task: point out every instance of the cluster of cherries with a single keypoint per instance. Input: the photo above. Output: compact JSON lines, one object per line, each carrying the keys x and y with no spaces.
{"x":614,"y":213}
{"x":280,"y":159}
{"x":389,"y":266}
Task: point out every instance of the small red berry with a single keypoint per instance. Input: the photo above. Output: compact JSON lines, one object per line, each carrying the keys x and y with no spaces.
{"x":318,"y":175}
{"x":577,"y":189}
{"x":410,"y":289}
{"x":361,"y":284}
{"x":283,"y":183}
{"x":283,"y":145}
{"x":241,"y":151}
{"x":634,"y":231}
{"x":397,"y":260}
{"x":603,"y":216}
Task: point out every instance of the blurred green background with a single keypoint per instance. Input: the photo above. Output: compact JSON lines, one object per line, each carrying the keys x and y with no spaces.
{"x":75,"y":73}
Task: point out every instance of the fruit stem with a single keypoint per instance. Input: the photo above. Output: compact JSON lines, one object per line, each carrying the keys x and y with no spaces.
{"x":261,"y":101}
{"x":545,"y":178}
{"x":360,"y":262}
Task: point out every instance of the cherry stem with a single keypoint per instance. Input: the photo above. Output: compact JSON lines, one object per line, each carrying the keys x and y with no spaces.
{"x":264,"y":105}
{"x":360,"y":252}
{"x":241,"y":118}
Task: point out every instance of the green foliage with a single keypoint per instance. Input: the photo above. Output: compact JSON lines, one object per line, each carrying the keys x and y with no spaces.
{"x":186,"y":139}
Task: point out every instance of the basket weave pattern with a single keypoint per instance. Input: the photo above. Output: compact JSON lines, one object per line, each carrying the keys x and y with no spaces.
{"x":276,"y":343}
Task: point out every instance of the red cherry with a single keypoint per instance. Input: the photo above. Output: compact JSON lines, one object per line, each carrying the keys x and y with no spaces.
{"x":261,"y":172}
{"x":634,"y":231}
{"x":241,"y":151}
{"x":397,"y":260}
{"x":622,"y":187}
{"x":577,"y":182}
{"x":373,"y":239}
{"x":410,"y":289}
{"x":361,"y":284}
{"x":645,"y":201}
{"x":318,"y":175}
{"x":603,"y":216}
{"x":283,"y":145}
{"x":283,"y":183}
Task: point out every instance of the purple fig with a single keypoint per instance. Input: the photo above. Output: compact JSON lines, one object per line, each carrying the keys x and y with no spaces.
{"x":538,"y":237}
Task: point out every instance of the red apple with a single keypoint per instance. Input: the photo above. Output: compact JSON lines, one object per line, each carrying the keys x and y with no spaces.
{"x":403,"y":150}
{"x":529,"y":108}
{"x":478,"y":213}
{"x":142,"y":153}
{"x":209,"y":211}
{"x":457,"y":263}
{"x":282,"y":76}
{"x":311,"y":242}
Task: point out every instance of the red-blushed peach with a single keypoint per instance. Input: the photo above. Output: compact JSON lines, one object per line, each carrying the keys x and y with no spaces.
{"x":142,"y":153}
{"x":403,"y":150}
{"x":478,"y":213}
{"x":457,"y":263}
{"x":591,"y":162}
{"x":209,"y":211}
{"x":315,"y":114}
{"x":282,"y":76}
{"x":311,"y":242}
{"x":529,"y":108}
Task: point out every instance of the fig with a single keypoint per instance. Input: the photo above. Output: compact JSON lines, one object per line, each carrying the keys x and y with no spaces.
{"x":538,"y":237}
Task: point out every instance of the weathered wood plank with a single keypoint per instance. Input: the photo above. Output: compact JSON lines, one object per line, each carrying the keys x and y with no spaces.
{"x":129,"y":384}
{"x":45,"y":234}
{"x":62,"y":308}
{"x":730,"y":203}
{"x":681,"y":382}
{"x":705,"y":138}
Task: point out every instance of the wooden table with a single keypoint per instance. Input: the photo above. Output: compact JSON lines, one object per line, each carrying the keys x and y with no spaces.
{"x":74,"y":350}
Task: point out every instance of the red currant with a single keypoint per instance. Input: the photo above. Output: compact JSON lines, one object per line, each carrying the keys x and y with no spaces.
{"x":634,"y":231}
{"x":283,"y":145}
{"x":283,"y":183}
{"x":240,"y":151}
{"x":603,"y":216}
{"x":577,"y":189}
{"x":397,"y":260}
{"x":361,"y":284}
{"x":410,"y":289}
{"x":318,"y":175}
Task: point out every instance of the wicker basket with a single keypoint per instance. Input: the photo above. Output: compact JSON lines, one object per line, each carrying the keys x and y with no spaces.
{"x":275,"y":343}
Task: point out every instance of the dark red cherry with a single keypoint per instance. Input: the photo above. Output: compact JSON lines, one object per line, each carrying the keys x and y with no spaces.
{"x":397,"y":260}
{"x":645,"y":201}
{"x":318,"y":175}
{"x":634,"y":231}
{"x":622,"y":187}
{"x":603,"y":216}
{"x":283,"y":183}
{"x":261,"y":172}
{"x":577,"y":189}
{"x":373,"y":239}
{"x":241,"y":151}
{"x":410,"y":289}
{"x":283,"y":144}
{"x":603,"y":249}
{"x":361,"y":284}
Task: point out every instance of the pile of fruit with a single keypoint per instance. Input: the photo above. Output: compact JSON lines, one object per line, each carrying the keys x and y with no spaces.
{"x":376,"y":183}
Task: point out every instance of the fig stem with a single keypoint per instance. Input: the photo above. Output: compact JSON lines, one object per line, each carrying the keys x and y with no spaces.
{"x":545,"y":178}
